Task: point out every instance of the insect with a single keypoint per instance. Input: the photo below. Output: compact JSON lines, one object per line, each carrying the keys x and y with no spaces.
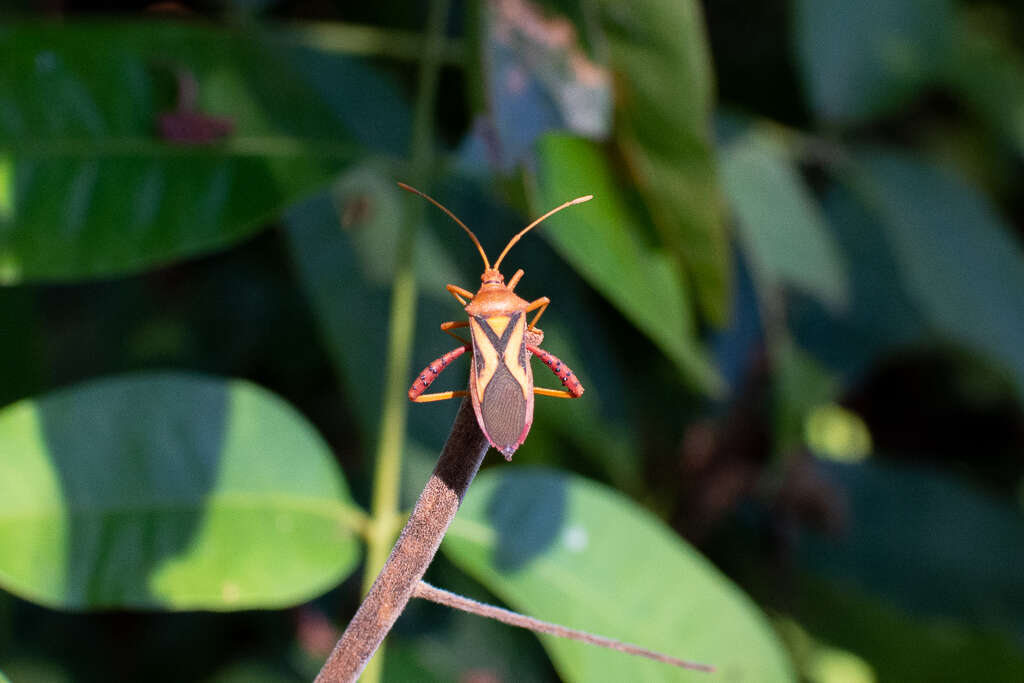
{"x":500,"y":379}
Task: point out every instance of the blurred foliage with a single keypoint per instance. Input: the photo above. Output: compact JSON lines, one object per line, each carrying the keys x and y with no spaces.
{"x":796,"y":303}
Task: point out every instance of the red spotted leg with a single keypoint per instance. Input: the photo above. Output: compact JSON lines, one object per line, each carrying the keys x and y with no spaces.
{"x":561,"y":370}
{"x":428,"y":376}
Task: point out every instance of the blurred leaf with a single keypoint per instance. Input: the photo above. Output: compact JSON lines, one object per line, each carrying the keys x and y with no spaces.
{"x":600,"y":239}
{"x":835,"y":433}
{"x":92,"y":189}
{"x":3,"y":679}
{"x":801,"y":384}
{"x":345,"y":273}
{"x":821,"y":663}
{"x":959,"y":262}
{"x":29,"y":669}
{"x":927,"y":543}
{"x":786,"y":237}
{"x":537,"y":80}
{"x":252,"y":672}
{"x":862,"y":59}
{"x":564,"y":549}
{"x":606,"y":442}
{"x":662,"y":64}
{"x":897,"y":645}
{"x":987,"y":70}
{"x":881,"y":314}
{"x":169,"y":491}
{"x":23,"y":365}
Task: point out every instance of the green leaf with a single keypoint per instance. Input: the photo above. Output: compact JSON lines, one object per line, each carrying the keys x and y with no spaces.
{"x":912,"y":533}
{"x":800,"y":385}
{"x":958,"y":260}
{"x":987,"y":71}
{"x":862,"y":59}
{"x":567,"y":550}
{"x":601,"y":239}
{"x":880,"y":316}
{"x":659,"y":54}
{"x":782,"y":229}
{"x":345,"y":270}
{"x":3,"y":679}
{"x":897,"y":645}
{"x":169,"y":491}
{"x":88,"y":188}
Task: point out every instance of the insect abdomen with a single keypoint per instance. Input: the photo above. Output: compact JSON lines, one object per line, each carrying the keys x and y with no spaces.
{"x":503,"y":410}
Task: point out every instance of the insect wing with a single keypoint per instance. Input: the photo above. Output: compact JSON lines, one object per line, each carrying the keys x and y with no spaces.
{"x":501,"y":382}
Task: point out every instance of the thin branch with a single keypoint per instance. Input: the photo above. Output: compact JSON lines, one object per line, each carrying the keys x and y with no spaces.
{"x":413,"y":552}
{"x":442,"y":597}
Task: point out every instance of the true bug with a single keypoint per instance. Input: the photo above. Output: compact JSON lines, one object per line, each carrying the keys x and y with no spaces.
{"x":500,"y":379}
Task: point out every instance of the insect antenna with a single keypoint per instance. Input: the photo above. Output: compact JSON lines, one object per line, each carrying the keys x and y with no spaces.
{"x":455,"y":218}
{"x":531,"y":226}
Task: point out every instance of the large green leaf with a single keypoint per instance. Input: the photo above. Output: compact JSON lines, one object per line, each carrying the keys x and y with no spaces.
{"x":170,"y":491}
{"x":88,"y":188}
{"x":659,"y":54}
{"x":564,"y":549}
{"x":782,"y":229}
{"x":959,"y":262}
{"x":602,"y":240}
{"x":861,"y":59}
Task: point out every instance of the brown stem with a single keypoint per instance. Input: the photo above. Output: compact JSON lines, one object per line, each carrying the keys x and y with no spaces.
{"x":413,"y":552}
{"x":442,"y":597}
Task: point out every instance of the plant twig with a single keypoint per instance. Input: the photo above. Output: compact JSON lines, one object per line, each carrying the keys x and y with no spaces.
{"x":415,"y":548}
{"x":442,"y":597}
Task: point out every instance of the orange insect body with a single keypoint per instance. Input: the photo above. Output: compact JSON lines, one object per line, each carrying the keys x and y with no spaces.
{"x":501,"y":380}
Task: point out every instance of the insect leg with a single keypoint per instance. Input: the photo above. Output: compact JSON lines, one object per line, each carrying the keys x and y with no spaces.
{"x":440,"y":396}
{"x":515,"y":280}
{"x":542,"y":304}
{"x":561,"y":370}
{"x":555,"y":393}
{"x":428,"y":376}
{"x":463,"y":295}
{"x":452,"y":325}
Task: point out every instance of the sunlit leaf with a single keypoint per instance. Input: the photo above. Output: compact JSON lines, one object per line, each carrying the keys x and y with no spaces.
{"x":603,"y":242}
{"x":564,"y":549}
{"x":169,"y":491}
{"x":664,"y":88}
